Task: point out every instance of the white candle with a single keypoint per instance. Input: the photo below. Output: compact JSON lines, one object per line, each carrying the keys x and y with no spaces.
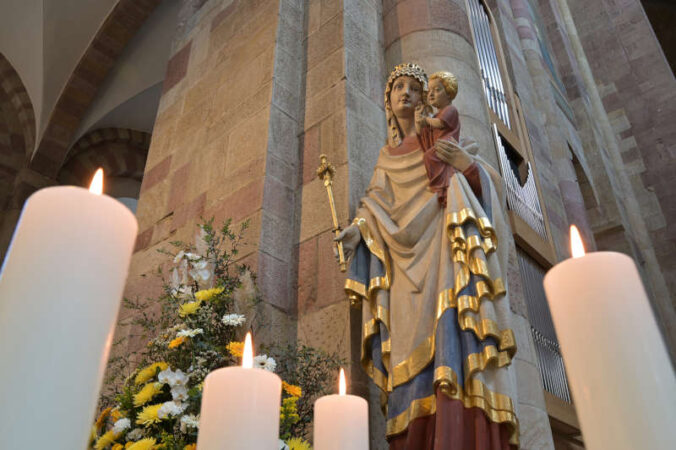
{"x":622,"y":381}
{"x":341,"y":421}
{"x":60,"y":290}
{"x":240,"y":407}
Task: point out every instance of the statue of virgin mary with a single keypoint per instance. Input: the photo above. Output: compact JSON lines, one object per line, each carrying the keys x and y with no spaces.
{"x":431,"y":280}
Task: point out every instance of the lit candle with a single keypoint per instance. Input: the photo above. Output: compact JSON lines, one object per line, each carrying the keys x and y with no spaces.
{"x":240,"y":407}
{"x":60,"y":290}
{"x":341,"y":421}
{"x":618,"y":369}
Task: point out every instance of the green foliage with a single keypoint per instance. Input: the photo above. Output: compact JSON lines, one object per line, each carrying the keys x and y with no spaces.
{"x":314,"y":370}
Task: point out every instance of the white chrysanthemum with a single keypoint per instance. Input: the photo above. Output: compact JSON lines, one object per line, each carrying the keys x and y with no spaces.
{"x":179,"y":378}
{"x":265,"y":362}
{"x":190,"y":333}
{"x":233,"y":320}
{"x":179,"y":256}
{"x":121,"y":425}
{"x":180,"y":285}
{"x":170,"y":409}
{"x":135,"y":434}
{"x":179,"y":393}
{"x":165,"y":375}
{"x":192,"y":256}
{"x":189,"y":421}
{"x":201,"y":271}
{"x":168,"y":376}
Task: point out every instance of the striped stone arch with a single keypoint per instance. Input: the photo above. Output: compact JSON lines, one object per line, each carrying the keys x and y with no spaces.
{"x":17,"y":108}
{"x":121,"y":24}
{"x":121,"y":153}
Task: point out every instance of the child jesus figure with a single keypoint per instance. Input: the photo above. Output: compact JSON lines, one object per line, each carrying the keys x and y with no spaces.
{"x":445,"y":124}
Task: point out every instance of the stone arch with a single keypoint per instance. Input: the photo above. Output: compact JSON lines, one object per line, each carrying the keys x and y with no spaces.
{"x":115,"y":32}
{"x":17,"y":108}
{"x":17,"y":140}
{"x":585,"y":182}
{"x":120,"y":152}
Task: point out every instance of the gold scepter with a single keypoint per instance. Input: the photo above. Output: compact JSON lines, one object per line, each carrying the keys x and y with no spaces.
{"x":325,"y":172}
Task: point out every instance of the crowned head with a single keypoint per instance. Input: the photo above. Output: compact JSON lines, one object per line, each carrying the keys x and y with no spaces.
{"x":405,"y":70}
{"x":406,"y":87}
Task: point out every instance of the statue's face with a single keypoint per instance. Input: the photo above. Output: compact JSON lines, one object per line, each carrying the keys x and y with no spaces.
{"x":406,"y":93}
{"x":437,"y":95}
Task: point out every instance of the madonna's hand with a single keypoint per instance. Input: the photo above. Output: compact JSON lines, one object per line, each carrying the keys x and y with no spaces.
{"x":451,"y":153}
{"x":350,"y":238}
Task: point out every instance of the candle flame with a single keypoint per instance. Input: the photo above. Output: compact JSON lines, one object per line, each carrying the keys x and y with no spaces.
{"x":576,"y":246}
{"x":341,"y":383}
{"x":97,"y":183}
{"x":247,"y":354}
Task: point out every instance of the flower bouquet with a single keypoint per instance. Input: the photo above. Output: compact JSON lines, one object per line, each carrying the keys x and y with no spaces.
{"x":152,"y":397}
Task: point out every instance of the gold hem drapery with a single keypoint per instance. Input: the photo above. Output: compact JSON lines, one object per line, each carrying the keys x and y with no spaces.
{"x":463,"y":253}
{"x":470,"y":254}
{"x":497,"y":407}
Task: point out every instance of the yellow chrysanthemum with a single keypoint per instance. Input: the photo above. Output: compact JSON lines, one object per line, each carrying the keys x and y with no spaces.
{"x":116,"y":415}
{"x":117,"y":447}
{"x":177,"y":341}
{"x":236,"y":349}
{"x":149,"y":372}
{"x":147,"y":393}
{"x":105,"y":440}
{"x":102,"y":417}
{"x":143,"y":444}
{"x":189,"y":308}
{"x":208,"y":294}
{"x":298,"y":444}
{"x":190,"y":447}
{"x":292,"y":389}
{"x":149,"y":415}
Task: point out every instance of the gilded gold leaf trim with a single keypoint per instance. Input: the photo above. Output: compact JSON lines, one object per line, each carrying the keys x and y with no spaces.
{"x":379,"y":378}
{"x":418,"y":408}
{"x":477,"y":362}
{"x":370,"y":329}
{"x":373,"y":246}
{"x":497,"y":407}
{"x":459,"y":218}
{"x":356,"y":287}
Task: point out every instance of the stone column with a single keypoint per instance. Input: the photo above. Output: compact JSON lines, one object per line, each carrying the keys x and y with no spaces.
{"x":225,"y":144}
{"x":344,"y":119}
{"x":24,"y":183}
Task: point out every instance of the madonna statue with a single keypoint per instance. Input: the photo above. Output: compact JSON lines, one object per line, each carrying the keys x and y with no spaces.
{"x":431,"y":279}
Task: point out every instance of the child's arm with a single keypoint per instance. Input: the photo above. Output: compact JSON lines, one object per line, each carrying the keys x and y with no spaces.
{"x":435,"y":123}
{"x":420,"y":119}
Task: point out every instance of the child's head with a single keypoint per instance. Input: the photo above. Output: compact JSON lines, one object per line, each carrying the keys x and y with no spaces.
{"x":443,"y":87}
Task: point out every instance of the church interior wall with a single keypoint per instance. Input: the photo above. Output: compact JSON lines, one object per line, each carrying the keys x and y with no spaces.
{"x":249,"y":94}
{"x":637,"y":87}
